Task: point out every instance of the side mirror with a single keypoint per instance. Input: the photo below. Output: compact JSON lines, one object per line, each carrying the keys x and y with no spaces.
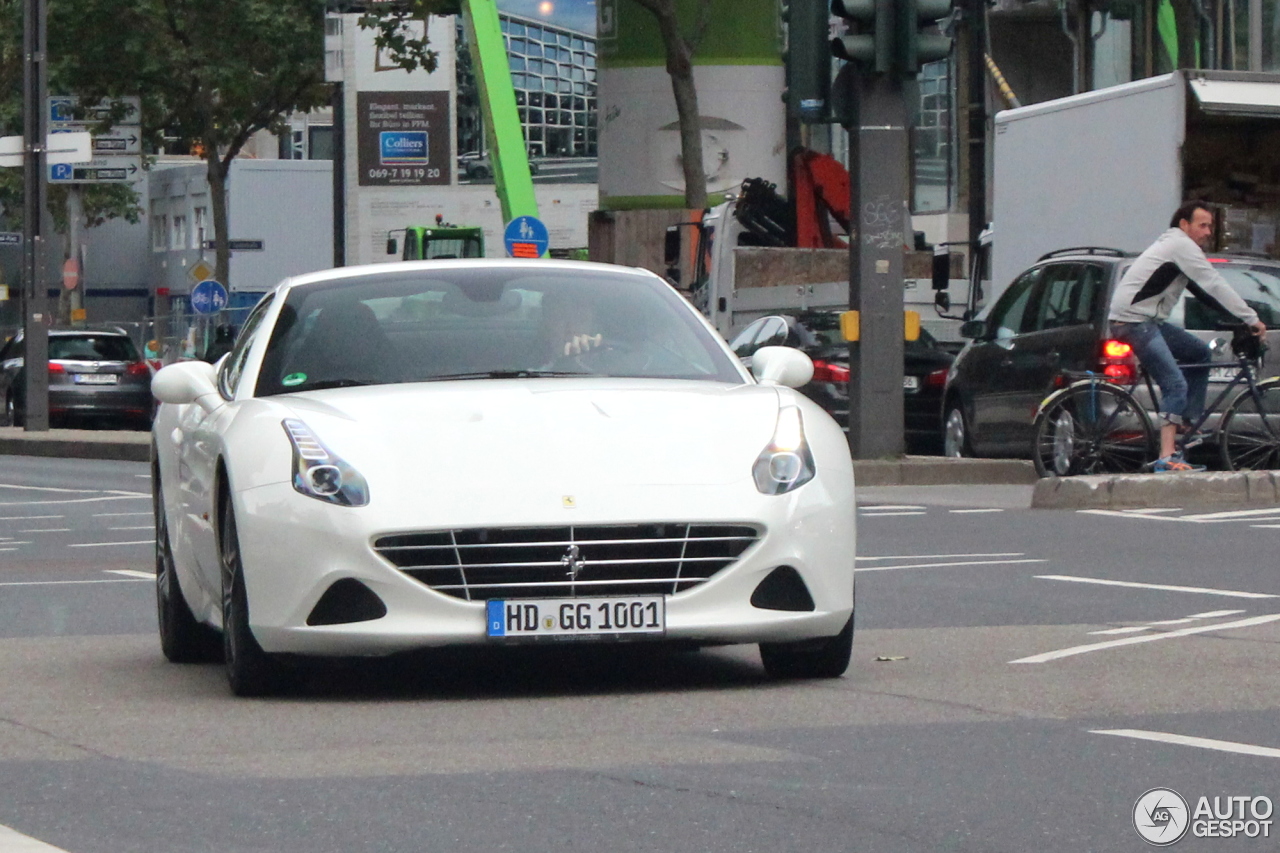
{"x":393,"y":246}
{"x":973,"y":329}
{"x":781,"y":366}
{"x":941,"y":268}
{"x":187,"y":382}
{"x":671,"y":248}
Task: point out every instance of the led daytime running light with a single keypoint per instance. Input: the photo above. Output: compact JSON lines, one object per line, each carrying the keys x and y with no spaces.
{"x":786,"y":464}
{"x":318,"y":473}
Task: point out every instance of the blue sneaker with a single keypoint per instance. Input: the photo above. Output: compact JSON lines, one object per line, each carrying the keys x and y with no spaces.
{"x":1175,"y":464}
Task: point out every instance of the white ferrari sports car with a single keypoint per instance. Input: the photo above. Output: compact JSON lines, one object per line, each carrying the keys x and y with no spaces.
{"x":490,"y":452}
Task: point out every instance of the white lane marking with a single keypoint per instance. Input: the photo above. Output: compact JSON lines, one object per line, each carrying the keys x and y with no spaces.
{"x":882,"y":514}
{"x":1266,"y":526}
{"x":108,"y":544}
{"x":1201,"y":742}
{"x":28,"y":517}
{"x":47,"y":530}
{"x":12,"y":841}
{"x":890,"y":506}
{"x":1232,"y":514}
{"x":964,"y":511}
{"x":132,"y":573}
{"x":1148,"y":510}
{"x":127,"y":497}
{"x":1147,"y":638}
{"x":143,"y":476}
{"x":1115,"y":513}
{"x":1212,"y":614}
{"x":50,"y":489}
{"x":944,"y":565}
{"x":114,"y":514}
{"x":71,"y":583}
{"x":943,"y":556}
{"x":143,"y":527}
{"x":1230,"y":593}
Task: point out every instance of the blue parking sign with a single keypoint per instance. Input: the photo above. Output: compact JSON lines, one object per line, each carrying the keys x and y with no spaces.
{"x":208,"y":297}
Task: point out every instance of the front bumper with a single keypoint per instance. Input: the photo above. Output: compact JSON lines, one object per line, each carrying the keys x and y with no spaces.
{"x":295,"y":548}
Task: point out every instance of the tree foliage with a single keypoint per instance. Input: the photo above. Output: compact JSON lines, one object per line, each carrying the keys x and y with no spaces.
{"x":210,"y":75}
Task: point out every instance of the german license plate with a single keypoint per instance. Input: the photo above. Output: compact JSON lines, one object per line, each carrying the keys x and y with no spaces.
{"x":1222,"y":374}
{"x":911,"y":383}
{"x":97,"y":379}
{"x":576,"y":617}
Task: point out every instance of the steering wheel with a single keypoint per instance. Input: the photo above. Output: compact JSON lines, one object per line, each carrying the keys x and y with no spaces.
{"x":611,"y":356}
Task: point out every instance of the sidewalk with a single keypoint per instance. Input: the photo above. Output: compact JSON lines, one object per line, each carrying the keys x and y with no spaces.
{"x":132,"y":446}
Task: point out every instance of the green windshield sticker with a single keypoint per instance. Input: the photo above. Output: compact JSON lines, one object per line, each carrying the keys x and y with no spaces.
{"x":294,"y":379}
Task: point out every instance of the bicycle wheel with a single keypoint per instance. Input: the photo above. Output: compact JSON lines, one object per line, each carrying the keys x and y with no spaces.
{"x":1092,"y":428}
{"x":1249,"y":436}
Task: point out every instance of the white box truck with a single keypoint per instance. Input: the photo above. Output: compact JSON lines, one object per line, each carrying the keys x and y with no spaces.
{"x":1109,"y":167}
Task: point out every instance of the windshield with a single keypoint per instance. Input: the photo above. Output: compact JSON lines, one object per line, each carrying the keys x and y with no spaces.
{"x":91,"y":348}
{"x":476,"y":323}
{"x":1257,"y":284}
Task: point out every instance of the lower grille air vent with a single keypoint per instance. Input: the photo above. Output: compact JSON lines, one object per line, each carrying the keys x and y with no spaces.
{"x":541,"y":562}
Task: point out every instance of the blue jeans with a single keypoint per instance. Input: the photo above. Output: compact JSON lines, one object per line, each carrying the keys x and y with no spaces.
{"x":1159,"y":347}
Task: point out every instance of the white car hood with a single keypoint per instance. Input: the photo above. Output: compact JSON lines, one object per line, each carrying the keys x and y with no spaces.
{"x":552,"y":433}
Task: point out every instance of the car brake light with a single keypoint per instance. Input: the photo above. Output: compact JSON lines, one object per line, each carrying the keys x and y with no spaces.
{"x":138,"y":368}
{"x":825,"y":371}
{"x":1122,"y":373}
{"x":54,"y":367}
{"x":937,"y":378}
{"x":1116,"y":349}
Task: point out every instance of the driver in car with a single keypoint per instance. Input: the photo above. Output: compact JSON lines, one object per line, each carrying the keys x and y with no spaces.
{"x":569,"y":327}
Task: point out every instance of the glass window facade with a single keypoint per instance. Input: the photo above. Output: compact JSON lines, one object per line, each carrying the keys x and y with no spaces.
{"x":553,"y":68}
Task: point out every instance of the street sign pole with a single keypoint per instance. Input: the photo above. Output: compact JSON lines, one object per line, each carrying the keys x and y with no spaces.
{"x":34,"y":290}
{"x":879,"y":181}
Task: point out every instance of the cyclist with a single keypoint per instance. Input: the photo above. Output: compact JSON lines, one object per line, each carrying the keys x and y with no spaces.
{"x":1141,"y":305}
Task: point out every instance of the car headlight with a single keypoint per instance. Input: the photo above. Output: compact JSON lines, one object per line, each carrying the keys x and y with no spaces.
{"x":319,"y":473}
{"x":786,"y":463}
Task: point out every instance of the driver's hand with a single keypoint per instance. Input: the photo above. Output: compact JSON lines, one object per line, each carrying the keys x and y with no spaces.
{"x":1259,"y":328}
{"x":579,"y":344}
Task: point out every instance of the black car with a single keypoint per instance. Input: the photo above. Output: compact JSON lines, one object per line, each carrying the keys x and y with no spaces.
{"x":817,"y":333}
{"x":96,"y":377}
{"x":1051,"y":321}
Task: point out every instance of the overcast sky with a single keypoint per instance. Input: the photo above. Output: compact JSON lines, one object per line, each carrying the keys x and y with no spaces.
{"x":575,"y":14}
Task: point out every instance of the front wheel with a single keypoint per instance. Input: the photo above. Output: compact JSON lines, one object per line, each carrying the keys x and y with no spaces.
{"x":1249,"y":437}
{"x":955,"y":433}
{"x":1092,"y":428}
{"x":822,"y":658}
{"x":250,"y":670}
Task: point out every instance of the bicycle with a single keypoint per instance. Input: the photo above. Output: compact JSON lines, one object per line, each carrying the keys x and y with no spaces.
{"x":1096,"y":426}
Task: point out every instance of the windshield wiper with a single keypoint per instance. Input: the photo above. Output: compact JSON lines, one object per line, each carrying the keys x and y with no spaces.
{"x":506,"y":374}
{"x":334,"y":383}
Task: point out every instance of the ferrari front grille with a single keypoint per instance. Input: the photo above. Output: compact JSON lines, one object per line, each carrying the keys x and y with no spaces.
{"x":478,"y":564}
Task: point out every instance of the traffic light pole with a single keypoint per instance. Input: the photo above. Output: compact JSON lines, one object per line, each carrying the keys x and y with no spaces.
{"x":34,"y":287}
{"x":879,"y":161}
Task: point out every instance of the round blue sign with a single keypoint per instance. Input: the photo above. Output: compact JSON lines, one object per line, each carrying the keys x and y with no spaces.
{"x":208,"y":297}
{"x":526,"y":237}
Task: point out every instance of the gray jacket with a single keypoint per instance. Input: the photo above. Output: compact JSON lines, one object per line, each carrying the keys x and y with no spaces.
{"x":1151,"y":287}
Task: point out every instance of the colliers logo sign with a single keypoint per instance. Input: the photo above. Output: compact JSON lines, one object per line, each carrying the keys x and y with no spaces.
{"x":404,"y":148}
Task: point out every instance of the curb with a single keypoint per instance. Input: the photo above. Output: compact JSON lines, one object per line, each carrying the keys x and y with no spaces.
{"x":1127,"y":491}
{"x":128,"y":446}
{"x":908,"y":471}
{"x":943,"y":471}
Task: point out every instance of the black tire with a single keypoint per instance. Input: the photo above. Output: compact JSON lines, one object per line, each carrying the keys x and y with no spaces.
{"x":1249,"y":435}
{"x":182,"y":638}
{"x":1093,"y":428}
{"x":250,"y":670}
{"x":955,"y":432}
{"x":821,"y":658}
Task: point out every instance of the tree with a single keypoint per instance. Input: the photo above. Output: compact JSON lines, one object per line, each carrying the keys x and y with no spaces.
{"x":211,"y":74}
{"x":680,"y":49}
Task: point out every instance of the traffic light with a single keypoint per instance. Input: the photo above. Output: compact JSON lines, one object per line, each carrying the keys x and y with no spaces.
{"x":808,"y":68}
{"x":916,"y":47}
{"x":869,"y":41}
